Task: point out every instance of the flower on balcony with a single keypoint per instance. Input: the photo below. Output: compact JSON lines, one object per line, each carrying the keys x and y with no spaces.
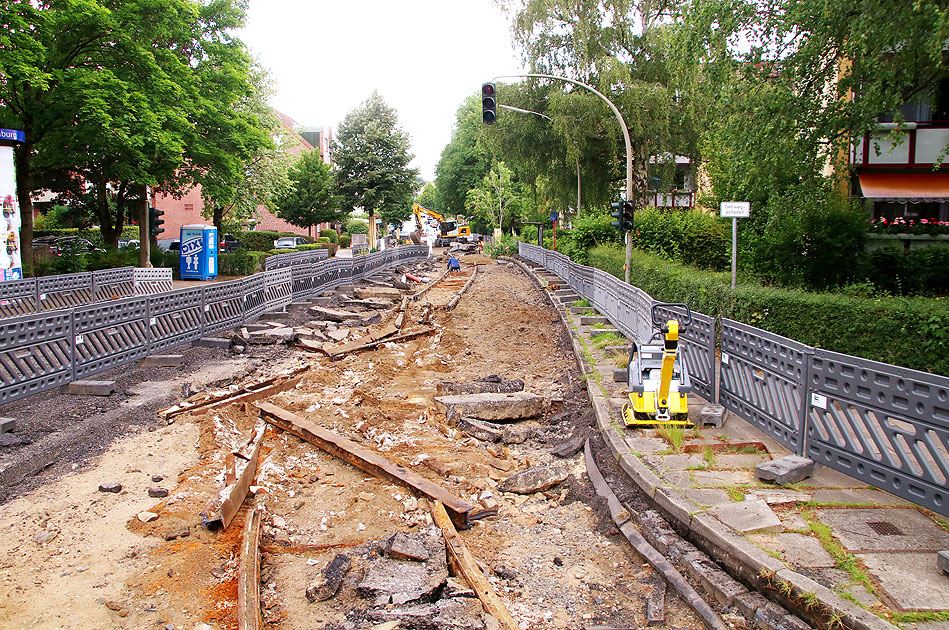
{"x":903,"y":225}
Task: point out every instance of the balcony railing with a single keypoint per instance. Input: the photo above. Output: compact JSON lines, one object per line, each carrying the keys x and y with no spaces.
{"x":671,"y":199}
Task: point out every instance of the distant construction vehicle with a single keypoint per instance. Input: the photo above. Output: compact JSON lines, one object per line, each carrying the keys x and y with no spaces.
{"x":448,"y":230}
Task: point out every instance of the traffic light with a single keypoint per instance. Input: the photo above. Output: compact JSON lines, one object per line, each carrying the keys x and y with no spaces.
{"x":154,"y":223}
{"x":622,"y":211}
{"x":489,"y":104}
{"x":628,"y":215}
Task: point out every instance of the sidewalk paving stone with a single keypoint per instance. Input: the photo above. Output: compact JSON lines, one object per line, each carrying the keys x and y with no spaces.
{"x":858,"y":495}
{"x":748,"y":516}
{"x":797,"y":549}
{"x":708,"y":497}
{"x":647,"y":444}
{"x":911,"y":580}
{"x":723,"y":478}
{"x":738,"y":460}
{"x":885,"y":529}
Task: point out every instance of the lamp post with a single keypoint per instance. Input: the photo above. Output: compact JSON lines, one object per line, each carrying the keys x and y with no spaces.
{"x":622,"y":124}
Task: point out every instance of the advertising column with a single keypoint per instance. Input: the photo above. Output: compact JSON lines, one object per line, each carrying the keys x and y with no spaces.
{"x":11,"y":266}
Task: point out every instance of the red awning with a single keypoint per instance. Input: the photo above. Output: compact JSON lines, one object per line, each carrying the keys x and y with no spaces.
{"x":905,"y":187}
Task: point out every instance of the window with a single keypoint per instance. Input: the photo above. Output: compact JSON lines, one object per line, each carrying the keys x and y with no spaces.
{"x":189,"y":207}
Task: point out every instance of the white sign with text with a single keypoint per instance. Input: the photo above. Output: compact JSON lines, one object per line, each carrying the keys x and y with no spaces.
{"x":736,"y":209}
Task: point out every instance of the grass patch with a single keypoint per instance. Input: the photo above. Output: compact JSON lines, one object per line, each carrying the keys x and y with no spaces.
{"x":708,"y":456}
{"x":673,"y":435}
{"x":601,"y":326}
{"x":921,"y":616}
{"x":942,"y":522}
{"x":621,"y":360}
{"x":736,"y":494}
{"x":581,"y":303}
{"x":845,"y":560}
{"x":608,"y":339}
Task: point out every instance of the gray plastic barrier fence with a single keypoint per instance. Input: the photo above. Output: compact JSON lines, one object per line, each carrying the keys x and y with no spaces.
{"x":41,"y":351}
{"x":883,"y":424}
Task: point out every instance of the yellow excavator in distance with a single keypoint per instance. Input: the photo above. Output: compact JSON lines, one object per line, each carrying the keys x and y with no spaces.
{"x":448,"y":231}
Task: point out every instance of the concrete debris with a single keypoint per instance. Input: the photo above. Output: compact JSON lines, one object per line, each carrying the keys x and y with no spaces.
{"x":713,"y":416}
{"x":110,"y":487}
{"x":391,"y":580}
{"x":378,"y":293}
{"x":489,"y":385}
{"x":403,"y":547}
{"x":785,"y":470}
{"x":570,"y":448}
{"x":184,"y":532}
{"x":456,"y":588}
{"x":331,"y":314}
{"x":748,"y":516}
{"x":272,"y":336}
{"x":338,"y":335}
{"x":45,"y":536}
{"x":157,"y":493}
{"x":513,"y":436}
{"x":326,"y":585}
{"x":512,"y":406}
{"x":374,"y":304}
{"x":535,"y":479}
{"x":146,"y":517}
{"x":484,"y":431}
{"x":91,"y":388}
{"x":445,"y":614}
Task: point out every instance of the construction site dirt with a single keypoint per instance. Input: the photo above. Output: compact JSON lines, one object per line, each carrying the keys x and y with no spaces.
{"x":106,"y":500}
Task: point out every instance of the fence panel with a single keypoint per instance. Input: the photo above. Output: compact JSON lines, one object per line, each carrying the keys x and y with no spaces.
{"x":18,"y":297}
{"x":279,"y":291}
{"x":278,"y":261}
{"x":224,"y":305}
{"x":36,"y":354}
{"x":152,"y":281}
{"x":303,"y":279}
{"x":698,"y":348}
{"x":174,"y":318}
{"x":581,"y":280}
{"x":108,"y":335}
{"x":883,"y":424}
{"x":113,"y":284}
{"x":64,"y":291}
{"x":360,"y":267}
{"x":763,"y":380}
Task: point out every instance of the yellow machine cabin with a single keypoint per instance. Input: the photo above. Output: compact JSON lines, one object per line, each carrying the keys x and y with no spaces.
{"x":448,"y":230}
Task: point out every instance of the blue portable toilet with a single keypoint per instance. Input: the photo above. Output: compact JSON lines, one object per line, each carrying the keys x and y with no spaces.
{"x":197,"y":257}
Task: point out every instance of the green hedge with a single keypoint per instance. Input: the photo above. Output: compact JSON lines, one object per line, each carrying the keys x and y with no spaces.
{"x":241,"y":263}
{"x":259,"y":240}
{"x":332,"y":235}
{"x":910,"y":332}
{"x":331,"y":247}
{"x":345,"y":239}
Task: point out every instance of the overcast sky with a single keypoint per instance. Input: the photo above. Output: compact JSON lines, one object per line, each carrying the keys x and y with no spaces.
{"x":423,"y":56}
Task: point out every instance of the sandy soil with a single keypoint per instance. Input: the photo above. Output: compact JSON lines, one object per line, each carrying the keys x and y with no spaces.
{"x":75,"y":557}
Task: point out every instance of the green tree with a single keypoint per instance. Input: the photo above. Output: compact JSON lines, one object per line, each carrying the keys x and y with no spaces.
{"x":311,"y":198}
{"x":372,"y":158}
{"x":463,"y":163}
{"x":428,"y":197}
{"x":497,"y":200}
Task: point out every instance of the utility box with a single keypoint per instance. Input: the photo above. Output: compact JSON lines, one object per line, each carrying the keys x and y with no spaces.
{"x":197,"y":257}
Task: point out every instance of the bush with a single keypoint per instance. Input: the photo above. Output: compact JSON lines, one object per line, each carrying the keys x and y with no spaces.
{"x":241,"y":263}
{"x":110,"y":259}
{"x":258,"y":240}
{"x":688,"y":236}
{"x":504,"y":246}
{"x":331,"y":247}
{"x":923,"y":271}
{"x":323,"y":239}
{"x":906,"y":332}
{"x":354,"y":226}
{"x":345,"y":239}
{"x":332,"y":235}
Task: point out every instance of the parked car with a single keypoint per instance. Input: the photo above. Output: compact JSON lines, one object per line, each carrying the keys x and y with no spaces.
{"x":229,"y":243}
{"x":289,"y":242}
{"x":129,"y":242}
{"x":169,"y":244}
{"x":72,"y":245}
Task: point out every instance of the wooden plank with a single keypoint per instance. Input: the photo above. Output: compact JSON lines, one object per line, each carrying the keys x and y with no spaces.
{"x":462,"y":512}
{"x":251,"y":396}
{"x":468,"y":567}
{"x":222,"y":508}
{"x":455,"y":299}
{"x":210,"y":399}
{"x":428,"y":286}
{"x":248,"y":581}
{"x":373,"y":344}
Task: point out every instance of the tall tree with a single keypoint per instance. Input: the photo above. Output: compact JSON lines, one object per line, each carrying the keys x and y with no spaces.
{"x":497,"y":200}
{"x":311,"y":196}
{"x":372,"y":158}
{"x":464,"y":162}
{"x":428,"y":196}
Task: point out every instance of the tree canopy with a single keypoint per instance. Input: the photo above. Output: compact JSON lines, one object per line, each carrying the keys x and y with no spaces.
{"x":372,"y":158}
{"x":310,"y":198}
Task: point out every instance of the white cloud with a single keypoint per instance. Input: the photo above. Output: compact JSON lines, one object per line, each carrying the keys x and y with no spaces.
{"x":423,"y":56}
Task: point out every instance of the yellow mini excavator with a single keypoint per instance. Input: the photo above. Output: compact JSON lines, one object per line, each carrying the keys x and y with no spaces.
{"x":657,"y":377}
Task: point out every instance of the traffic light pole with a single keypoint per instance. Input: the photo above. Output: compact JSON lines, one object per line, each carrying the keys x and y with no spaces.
{"x":629,"y":145}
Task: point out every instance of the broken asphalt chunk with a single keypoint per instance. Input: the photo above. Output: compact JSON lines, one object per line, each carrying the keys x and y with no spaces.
{"x":535,"y":479}
{"x":326,"y":585}
{"x":511,"y":406}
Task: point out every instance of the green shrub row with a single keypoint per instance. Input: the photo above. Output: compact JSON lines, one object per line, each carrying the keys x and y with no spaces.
{"x":93,"y":235}
{"x":910,"y":332}
{"x":331,"y":247}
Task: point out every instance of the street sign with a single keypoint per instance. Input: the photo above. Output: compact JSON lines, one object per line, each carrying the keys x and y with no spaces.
{"x":736,"y":209}
{"x":553,"y":216}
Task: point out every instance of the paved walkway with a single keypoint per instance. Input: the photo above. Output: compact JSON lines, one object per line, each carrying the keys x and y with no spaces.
{"x":863,"y":546}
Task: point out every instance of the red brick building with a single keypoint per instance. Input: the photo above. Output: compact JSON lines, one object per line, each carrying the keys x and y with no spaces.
{"x":187,"y":209}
